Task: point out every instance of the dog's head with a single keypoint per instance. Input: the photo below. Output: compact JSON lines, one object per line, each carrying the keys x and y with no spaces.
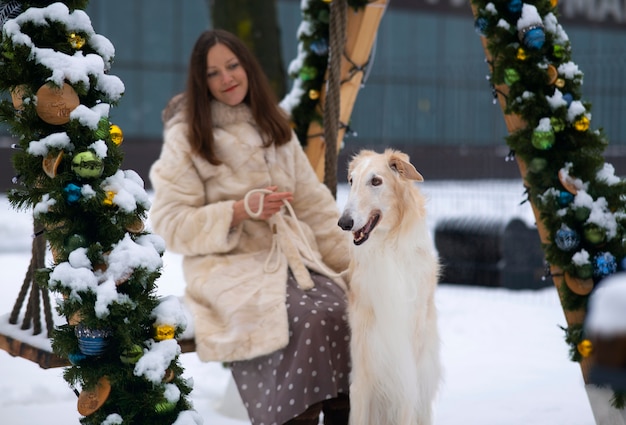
{"x":379,"y":186}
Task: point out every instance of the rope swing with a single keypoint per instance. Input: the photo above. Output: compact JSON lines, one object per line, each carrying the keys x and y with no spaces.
{"x":332,"y":104}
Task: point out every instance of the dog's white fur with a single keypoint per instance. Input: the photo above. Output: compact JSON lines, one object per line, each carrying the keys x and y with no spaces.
{"x":394,"y":272}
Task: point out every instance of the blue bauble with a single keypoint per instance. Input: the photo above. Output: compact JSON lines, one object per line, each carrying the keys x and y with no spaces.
{"x":566,"y":239}
{"x":568,"y":98}
{"x":480,"y":25}
{"x":515,"y":6}
{"x":533,"y":37}
{"x":565,"y":198}
{"x":91,"y":342}
{"x":72,"y":193}
{"x":76,"y":358}
{"x":604,"y":264}
{"x":320,"y":47}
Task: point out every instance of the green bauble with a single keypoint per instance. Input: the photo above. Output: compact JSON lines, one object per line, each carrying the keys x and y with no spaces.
{"x":308,"y":73}
{"x":537,"y":165}
{"x":557,"y":124}
{"x":543,"y":140}
{"x":74,"y":242}
{"x":510,"y":76}
{"x":164,"y":406}
{"x":132,"y":355}
{"x":594,"y":234}
{"x":582,"y":213}
{"x":103,"y":129}
{"x":584,"y":271}
{"x":87,"y":165}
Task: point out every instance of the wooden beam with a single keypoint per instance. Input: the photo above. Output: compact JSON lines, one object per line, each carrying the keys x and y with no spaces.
{"x":44,"y":358}
{"x":361,"y":29}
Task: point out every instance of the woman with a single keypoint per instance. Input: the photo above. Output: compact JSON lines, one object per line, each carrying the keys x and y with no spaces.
{"x":235,"y":194}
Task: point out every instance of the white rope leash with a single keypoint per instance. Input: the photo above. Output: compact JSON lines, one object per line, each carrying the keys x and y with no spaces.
{"x":275,"y":245}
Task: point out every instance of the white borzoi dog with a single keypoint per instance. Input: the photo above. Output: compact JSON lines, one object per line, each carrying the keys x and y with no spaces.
{"x":393,"y":276}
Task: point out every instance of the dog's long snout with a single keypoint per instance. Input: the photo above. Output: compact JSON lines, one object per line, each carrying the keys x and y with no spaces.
{"x":346,"y":222}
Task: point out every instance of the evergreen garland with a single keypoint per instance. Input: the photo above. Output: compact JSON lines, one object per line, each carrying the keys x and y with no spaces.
{"x":120,"y":337}
{"x":308,"y":69}
{"x":580,"y":201}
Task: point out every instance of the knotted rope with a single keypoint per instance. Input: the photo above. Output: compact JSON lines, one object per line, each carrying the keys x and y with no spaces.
{"x":282,"y":243}
{"x":332,"y":104}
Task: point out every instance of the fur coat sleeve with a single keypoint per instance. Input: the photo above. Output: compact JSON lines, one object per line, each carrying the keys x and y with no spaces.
{"x":238,"y":306}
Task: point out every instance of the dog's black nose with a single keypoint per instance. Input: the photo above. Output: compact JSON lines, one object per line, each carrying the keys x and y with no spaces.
{"x":345,"y":222}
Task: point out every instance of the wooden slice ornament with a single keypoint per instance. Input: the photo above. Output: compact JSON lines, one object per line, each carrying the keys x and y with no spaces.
{"x":17,"y":96}
{"x":90,"y":400}
{"x":568,"y":182}
{"x":553,"y":74}
{"x":577,"y":285}
{"x":54,"y":104}
{"x":75,"y":318}
{"x":169,"y":376}
{"x":50,"y":164}
{"x":136,"y":226}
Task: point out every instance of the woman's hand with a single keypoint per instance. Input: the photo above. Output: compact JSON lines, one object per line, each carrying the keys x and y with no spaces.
{"x":264,"y":205}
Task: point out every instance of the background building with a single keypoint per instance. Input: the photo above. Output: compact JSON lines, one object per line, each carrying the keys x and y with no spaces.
{"x":425,"y":90}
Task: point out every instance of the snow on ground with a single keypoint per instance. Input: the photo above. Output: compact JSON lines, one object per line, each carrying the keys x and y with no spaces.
{"x":505,"y":358}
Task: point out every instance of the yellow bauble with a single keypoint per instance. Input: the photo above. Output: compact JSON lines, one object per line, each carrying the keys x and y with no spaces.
{"x":117,"y":136}
{"x":585,"y":348}
{"x":163,"y":332}
{"x":109,"y":198}
{"x":582,"y":124}
{"x":521,"y":54}
{"x":314,"y":94}
{"x":76,"y":41}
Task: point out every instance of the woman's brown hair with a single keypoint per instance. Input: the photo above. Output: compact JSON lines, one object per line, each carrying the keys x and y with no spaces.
{"x":273,"y":123}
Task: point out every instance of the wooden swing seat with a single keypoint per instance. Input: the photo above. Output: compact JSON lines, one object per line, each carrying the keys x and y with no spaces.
{"x":47,"y":359}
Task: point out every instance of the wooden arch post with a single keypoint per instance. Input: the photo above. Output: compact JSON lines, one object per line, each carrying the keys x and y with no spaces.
{"x":599,"y":399}
{"x":361,"y":30}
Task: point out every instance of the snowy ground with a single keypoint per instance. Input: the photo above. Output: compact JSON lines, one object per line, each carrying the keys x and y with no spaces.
{"x":505,"y":359}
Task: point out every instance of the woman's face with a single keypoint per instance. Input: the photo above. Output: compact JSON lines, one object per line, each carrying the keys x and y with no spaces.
{"x":226,"y":78}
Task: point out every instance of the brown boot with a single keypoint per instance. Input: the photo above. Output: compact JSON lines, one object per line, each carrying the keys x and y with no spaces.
{"x":337,"y":410}
{"x":310,"y":416}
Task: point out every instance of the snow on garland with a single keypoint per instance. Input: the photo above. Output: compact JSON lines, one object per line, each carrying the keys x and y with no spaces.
{"x":580,"y":200}
{"x":120,"y":338}
{"x":308,"y":68}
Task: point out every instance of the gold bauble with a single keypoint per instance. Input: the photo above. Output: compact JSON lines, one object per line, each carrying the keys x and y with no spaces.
{"x":117,"y":136}
{"x":521,"y":54}
{"x":314,"y":94}
{"x":582,"y":124}
{"x":76,"y":41}
{"x":585,"y":348}
{"x":559,"y":82}
{"x":554,"y":3}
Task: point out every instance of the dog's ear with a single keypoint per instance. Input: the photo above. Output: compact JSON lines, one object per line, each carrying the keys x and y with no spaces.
{"x":405,"y":169}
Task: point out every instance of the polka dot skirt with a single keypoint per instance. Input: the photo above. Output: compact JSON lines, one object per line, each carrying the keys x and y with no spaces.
{"x":313,"y":367}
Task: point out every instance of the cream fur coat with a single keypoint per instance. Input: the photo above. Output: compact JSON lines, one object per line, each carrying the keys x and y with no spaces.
{"x":238,"y":308}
